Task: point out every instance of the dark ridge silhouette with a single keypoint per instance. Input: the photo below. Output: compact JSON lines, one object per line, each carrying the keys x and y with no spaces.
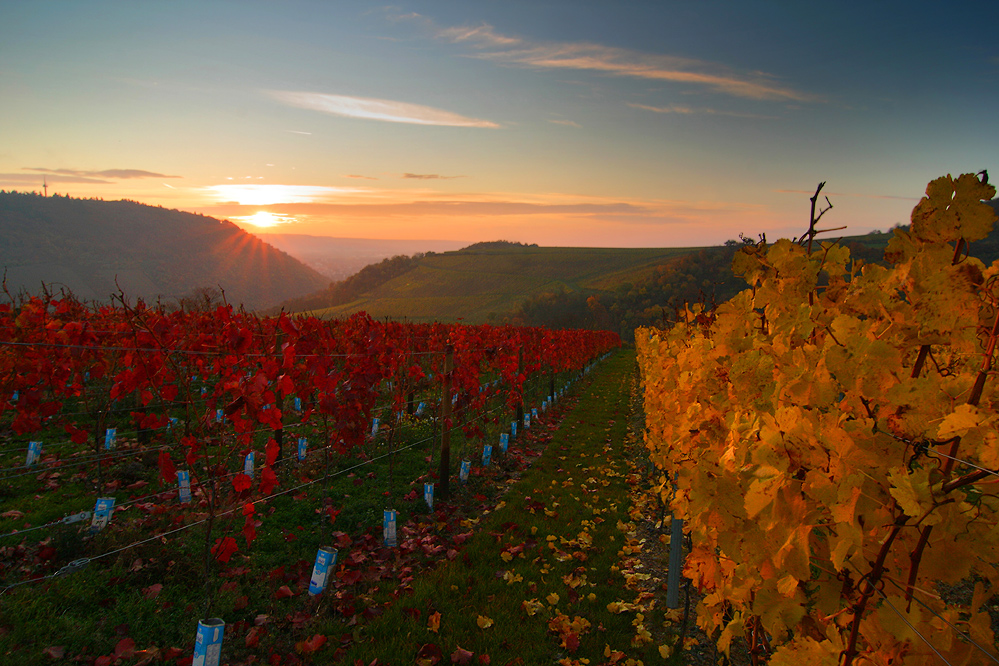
{"x":93,"y":247}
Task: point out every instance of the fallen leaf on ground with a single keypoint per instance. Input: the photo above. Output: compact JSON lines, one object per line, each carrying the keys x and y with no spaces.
{"x":151,"y":591}
{"x":311,"y":645}
{"x":55,"y":651}
{"x":461,"y":656}
{"x":125,"y":649}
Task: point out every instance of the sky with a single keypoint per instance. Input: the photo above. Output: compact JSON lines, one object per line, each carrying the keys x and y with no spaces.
{"x":568,"y":123}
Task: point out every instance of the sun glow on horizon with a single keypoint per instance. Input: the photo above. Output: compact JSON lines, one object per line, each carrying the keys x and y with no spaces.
{"x":265,"y":219}
{"x":266,"y":195}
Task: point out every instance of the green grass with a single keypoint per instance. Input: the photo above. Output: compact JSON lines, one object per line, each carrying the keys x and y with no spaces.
{"x":581,"y":485}
{"x":564,"y":521}
{"x":87,"y":613}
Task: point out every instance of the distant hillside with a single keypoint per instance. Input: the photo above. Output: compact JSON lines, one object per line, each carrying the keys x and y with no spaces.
{"x":613,"y":289}
{"x":92,"y":247}
{"x":484,"y":282}
{"x":339,"y":258}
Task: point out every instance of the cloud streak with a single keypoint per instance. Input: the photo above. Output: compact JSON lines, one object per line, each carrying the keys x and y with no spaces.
{"x":428,"y":176}
{"x":615,"y":61}
{"x":36,"y":179}
{"x":481,"y":35}
{"x":270,"y":194}
{"x":118,"y":174}
{"x":385,"y":110}
{"x":690,"y":110}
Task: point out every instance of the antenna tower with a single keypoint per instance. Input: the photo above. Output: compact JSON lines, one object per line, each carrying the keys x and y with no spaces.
{"x":45,"y":184}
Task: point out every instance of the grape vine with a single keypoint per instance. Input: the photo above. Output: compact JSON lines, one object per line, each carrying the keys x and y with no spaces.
{"x":832,"y":435}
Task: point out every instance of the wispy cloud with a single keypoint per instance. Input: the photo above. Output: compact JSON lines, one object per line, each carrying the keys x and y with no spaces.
{"x":118,"y":174}
{"x":634,"y":64}
{"x":354,"y":175}
{"x":385,"y":110}
{"x":615,"y":61}
{"x":36,"y":179}
{"x":299,"y":132}
{"x":481,"y":35}
{"x":428,"y":176}
{"x":270,"y":194}
{"x":690,"y":110}
{"x":567,"y":123}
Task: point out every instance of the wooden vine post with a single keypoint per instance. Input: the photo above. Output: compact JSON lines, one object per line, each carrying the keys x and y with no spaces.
{"x":520,"y":403}
{"x":279,"y":401}
{"x":445,"y":468}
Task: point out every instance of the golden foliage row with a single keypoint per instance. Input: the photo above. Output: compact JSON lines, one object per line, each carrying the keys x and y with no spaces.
{"x":814,"y":425}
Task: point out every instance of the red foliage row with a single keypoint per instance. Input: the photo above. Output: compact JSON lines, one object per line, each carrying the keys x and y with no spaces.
{"x":247,"y":366}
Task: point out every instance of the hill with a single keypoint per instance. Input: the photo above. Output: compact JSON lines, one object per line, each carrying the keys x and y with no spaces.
{"x":93,"y":247}
{"x":483,"y":282}
{"x":600,"y":288}
{"x":339,"y":258}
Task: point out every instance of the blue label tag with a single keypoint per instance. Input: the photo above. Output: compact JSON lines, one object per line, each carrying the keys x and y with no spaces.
{"x":102,"y":513}
{"x":34,"y":453}
{"x":428,"y":495}
{"x":388,"y":528}
{"x":325,"y":564}
{"x":110,"y":438}
{"x":184,"y":487}
{"x":487,"y":454}
{"x":208,"y":642}
{"x":303,"y":444}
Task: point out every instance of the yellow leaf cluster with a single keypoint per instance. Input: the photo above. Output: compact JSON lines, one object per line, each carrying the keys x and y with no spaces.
{"x":810,"y":424}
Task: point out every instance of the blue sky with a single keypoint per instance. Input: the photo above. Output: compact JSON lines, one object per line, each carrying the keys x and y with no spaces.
{"x":558,"y":123}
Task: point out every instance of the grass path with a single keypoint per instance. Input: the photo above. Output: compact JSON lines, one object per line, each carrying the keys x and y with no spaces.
{"x":553,"y":573}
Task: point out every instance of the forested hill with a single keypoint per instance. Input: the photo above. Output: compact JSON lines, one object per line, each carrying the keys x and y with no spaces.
{"x":598,"y":288}
{"x":93,"y":247}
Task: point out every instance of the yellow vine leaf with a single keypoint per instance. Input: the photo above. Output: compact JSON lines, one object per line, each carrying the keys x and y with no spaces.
{"x":953,"y":209}
{"x":807,"y":651}
{"x":795,"y":424}
{"x":912,"y":491}
{"x":960,"y":421}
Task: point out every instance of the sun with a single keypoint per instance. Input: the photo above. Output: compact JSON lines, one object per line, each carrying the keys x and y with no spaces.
{"x":265,"y":219}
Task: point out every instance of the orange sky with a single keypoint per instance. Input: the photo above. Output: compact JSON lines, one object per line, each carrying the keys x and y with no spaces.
{"x":556,"y":122}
